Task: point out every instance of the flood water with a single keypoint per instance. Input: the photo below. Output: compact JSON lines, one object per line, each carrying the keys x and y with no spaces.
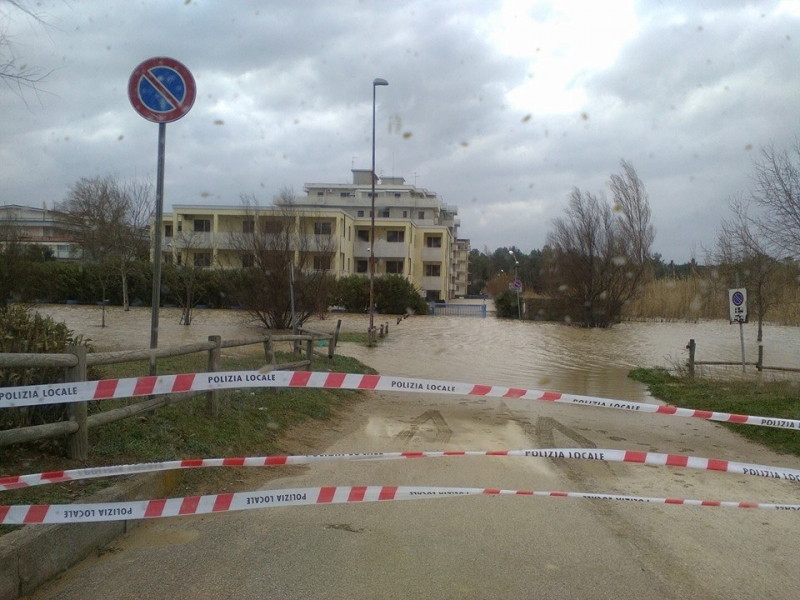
{"x":525,"y":354}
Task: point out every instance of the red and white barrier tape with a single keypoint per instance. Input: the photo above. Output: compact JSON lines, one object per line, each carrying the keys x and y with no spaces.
{"x":610,"y":455}
{"x":199,"y":382}
{"x":199,"y":505}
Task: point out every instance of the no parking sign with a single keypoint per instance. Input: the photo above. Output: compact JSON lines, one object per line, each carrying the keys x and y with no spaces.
{"x":161,"y":89}
{"x":738,"y":305}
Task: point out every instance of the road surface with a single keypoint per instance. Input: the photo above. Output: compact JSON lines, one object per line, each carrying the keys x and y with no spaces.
{"x":485,"y":546}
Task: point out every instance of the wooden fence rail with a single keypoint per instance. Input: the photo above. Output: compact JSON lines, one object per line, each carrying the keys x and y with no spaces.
{"x":759,"y":364}
{"x":75,"y":363}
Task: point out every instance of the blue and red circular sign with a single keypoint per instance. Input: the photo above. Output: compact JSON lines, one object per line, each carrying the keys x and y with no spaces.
{"x":737,"y":298}
{"x":161,"y":89}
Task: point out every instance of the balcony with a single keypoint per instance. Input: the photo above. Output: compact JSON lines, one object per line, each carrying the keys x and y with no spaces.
{"x":431,"y":283}
{"x":383,"y":249}
{"x":432,"y":254}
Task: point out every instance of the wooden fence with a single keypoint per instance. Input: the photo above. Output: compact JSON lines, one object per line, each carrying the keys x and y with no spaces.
{"x":77,"y":360}
{"x":759,"y":364}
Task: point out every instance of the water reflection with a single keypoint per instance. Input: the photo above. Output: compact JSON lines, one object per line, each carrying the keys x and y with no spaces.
{"x":503,"y":352}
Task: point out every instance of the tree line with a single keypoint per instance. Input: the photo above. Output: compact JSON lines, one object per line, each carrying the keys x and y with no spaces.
{"x":596,"y":260}
{"x":281,"y":287}
{"x":598,"y":256}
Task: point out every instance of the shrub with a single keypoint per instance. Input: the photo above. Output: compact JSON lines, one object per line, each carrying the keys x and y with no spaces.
{"x":24,"y":330}
{"x":394,"y":295}
{"x":506,"y":305}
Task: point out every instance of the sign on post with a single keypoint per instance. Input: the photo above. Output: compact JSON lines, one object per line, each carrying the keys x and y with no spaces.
{"x":738,"y":305}
{"x":161,"y":89}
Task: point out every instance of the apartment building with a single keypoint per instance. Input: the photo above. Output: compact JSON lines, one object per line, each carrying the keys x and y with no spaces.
{"x":415,"y":233}
{"x":42,"y":227}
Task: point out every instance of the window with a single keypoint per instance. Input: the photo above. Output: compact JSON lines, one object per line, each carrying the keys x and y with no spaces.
{"x":362,"y":234}
{"x":433,"y":270}
{"x":394,"y":266}
{"x":202,"y":259}
{"x":180,"y":225}
{"x":433,"y":241}
{"x":180,"y":259}
{"x":397,"y":195}
{"x":202,"y":225}
{"x":405,"y":214}
{"x":248,"y":260}
{"x":167,"y":230}
{"x":385,"y":213}
{"x":271,"y":226}
{"x":395,"y":236}
{"x":168,"y":259}
{"x":322,"y":263}
{"x":320,"y":193}
{"x":322,"y":228}
{"x":361,"y":266}
{"x":421,"y":214}
{"x":249,"y":226}
{"x":360,"y":213}
{"x":343,"y":194}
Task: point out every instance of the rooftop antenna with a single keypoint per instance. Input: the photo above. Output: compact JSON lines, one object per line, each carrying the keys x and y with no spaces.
{"x":415,"y":179}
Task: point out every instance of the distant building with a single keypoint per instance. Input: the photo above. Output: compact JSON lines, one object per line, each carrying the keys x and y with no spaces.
{"x":42,"y":227}
{"x":416,"y":234}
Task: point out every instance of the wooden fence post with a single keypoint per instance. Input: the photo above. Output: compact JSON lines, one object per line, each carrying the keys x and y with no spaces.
{"x":78,"y":442}
{"x":334,"y":340}
{"x":212,"y":396}
{"x":691,"y":346}
{"x":310,"y":350}
{"x":269,"y":355}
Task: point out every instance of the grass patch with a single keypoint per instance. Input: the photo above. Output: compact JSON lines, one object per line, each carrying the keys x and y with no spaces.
{"x":356,"y":338}
{"x":251,"y":422}
{"x":778,"y":399}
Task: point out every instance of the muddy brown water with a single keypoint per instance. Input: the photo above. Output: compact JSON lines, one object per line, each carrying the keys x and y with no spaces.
{"x":495,"y":351}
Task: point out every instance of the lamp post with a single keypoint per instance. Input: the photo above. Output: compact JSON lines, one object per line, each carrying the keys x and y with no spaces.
{"x":516,"y":289}
{"x":371,"y":333}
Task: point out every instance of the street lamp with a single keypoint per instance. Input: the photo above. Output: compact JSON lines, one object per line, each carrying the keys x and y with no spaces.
{"x":371,"y":334}
{"x":516,"y":289}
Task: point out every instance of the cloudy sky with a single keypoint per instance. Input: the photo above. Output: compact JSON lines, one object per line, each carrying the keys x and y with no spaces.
{"x":500,"y":107}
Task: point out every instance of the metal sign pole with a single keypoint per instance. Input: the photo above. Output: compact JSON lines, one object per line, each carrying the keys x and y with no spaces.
{"x":741,"y":340}
{"x":161,"y":90}
{"x":162,"y":142}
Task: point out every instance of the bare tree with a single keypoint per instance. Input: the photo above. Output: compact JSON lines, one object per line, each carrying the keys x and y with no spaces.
{"x":598,"y":255}
{"x":111,"y":221}
{"x":741,"y":256}
{"x":632,"y":207}
{"x":183,"y":279}
{"x":134,"y":241}
{"x":776,"y":192}
{"x":290,"y":271}
{"x":15,"y":75}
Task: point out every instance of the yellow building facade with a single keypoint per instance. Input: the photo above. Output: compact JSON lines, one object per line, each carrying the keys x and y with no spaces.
{"x":329,"y":229}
